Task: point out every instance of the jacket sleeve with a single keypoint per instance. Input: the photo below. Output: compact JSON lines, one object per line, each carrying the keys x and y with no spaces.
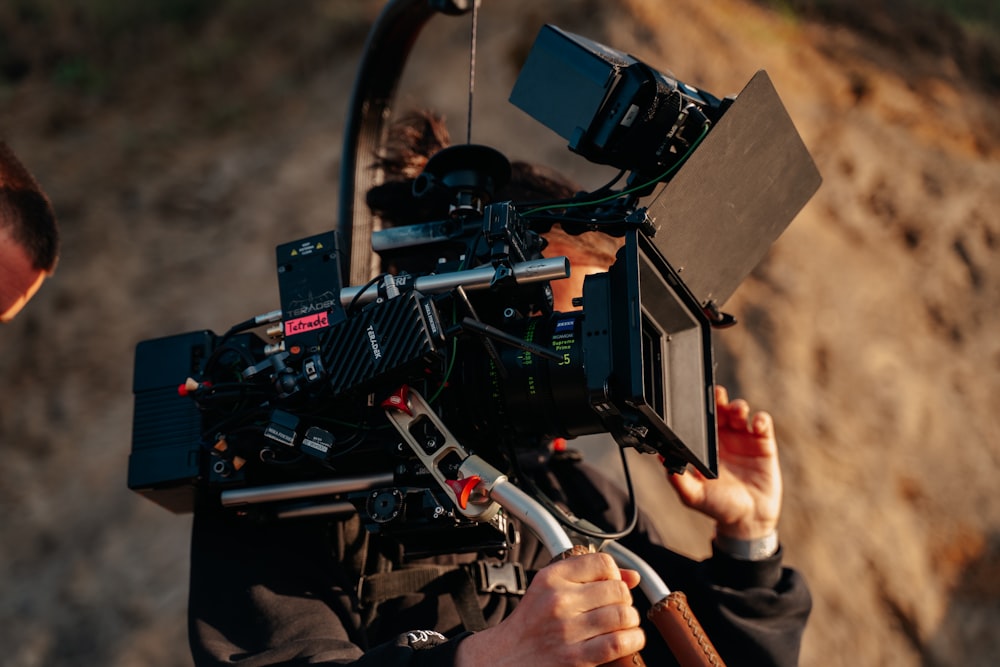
{"x":757,"y":610}
{"x":755,"y":613}
{"x":271,"y":594}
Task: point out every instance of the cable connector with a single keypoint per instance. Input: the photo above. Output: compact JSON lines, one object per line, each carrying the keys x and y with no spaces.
{"x":192,"y":386}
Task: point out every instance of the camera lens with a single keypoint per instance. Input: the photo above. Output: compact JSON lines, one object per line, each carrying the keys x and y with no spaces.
{"x":528,"y":394}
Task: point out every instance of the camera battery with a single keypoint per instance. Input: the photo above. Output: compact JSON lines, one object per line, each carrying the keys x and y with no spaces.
{"x":165,"y":462}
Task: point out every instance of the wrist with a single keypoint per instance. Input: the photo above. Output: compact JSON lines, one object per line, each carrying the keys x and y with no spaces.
{"x":754,"y":549}
{"x":748,"y":528}
{"x":477,"y":648}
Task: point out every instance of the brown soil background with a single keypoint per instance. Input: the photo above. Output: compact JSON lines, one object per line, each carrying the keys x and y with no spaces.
{"x":870,"y":331}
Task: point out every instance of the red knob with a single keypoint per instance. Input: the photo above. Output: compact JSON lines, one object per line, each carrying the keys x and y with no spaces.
{"x":400,"y":400}
{"x":463,"y":489}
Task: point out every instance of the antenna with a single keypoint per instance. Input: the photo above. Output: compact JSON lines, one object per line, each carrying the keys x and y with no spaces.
{"x":472,"y":68}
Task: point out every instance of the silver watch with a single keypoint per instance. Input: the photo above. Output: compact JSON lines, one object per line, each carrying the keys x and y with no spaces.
{"x":760,"y":548}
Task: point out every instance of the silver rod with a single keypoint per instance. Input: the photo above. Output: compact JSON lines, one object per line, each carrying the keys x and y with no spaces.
{"x":321,"y":509}
{"x":652,"y":585}
{"x":472,"y":69}
{"x":549,"y":268}
{"x":296,"y":490}
{"x":541,"y":522}
{"x":267,"y":318}
{"x":408,"y":236}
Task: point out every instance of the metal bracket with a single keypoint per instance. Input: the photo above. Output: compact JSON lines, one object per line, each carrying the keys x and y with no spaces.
{"x":439,"y":452}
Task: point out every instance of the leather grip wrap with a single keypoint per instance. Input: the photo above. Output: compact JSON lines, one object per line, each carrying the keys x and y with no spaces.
{"x":683,"y":633}
{"x":634,"y":660}
{"x":577,"y":550}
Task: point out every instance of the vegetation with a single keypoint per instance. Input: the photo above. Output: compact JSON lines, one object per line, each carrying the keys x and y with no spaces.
{"x":89,"y":45}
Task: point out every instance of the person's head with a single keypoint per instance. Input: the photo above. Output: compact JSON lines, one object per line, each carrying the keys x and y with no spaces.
{"x":418,"y":135}
{"x":29,"y":238}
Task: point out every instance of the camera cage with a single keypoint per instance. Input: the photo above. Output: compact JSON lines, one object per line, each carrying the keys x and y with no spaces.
{"x":647,"y":368}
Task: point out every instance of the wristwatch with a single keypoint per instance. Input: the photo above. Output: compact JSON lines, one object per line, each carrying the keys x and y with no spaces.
{"x":760,"y":548}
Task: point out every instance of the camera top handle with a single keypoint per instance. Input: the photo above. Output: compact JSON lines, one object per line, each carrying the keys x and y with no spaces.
{"x":386,"y":50}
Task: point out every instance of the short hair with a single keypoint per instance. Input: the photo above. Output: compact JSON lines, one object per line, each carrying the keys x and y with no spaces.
{"x":416,"y":136}
{"x":26,"y":212}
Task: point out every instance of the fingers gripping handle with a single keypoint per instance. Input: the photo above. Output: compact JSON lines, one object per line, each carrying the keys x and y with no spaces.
{"x":683,"y":633}
{"x":634,"y":660}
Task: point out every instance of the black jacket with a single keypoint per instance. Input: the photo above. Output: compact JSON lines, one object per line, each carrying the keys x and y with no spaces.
{"x":286,"y":593}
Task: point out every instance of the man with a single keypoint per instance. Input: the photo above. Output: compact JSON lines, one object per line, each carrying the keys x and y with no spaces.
{"x":29,"y":238}
{"x":301,"y":591}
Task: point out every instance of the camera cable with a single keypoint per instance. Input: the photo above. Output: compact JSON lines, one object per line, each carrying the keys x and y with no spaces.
{"x":564,"y":515}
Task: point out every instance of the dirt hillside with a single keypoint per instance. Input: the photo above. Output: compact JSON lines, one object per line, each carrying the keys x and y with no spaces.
{"x":180,"y":154}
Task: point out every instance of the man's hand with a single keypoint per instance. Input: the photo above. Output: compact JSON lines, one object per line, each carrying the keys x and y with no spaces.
{"x":745,"y":500}
{"x":576,"y":613}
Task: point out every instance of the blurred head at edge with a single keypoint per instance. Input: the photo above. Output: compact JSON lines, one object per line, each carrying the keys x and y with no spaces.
{"x":29,"y":237}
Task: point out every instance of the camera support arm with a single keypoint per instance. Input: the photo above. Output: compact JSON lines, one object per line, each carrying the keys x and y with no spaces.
{"x":479,"y":490}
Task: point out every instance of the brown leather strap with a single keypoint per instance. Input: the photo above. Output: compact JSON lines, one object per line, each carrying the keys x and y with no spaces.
{"x":683,"y":633}
{"x":576,"y":550}
{"x":634,"y":660}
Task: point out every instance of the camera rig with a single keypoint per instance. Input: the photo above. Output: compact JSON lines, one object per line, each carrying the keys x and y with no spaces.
{"x":288,"y":412}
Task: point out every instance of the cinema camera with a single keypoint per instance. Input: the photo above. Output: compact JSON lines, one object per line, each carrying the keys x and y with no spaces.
{"x":293,"y":422}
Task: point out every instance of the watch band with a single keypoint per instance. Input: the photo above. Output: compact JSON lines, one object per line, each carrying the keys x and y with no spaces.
{"x":760,"y":548}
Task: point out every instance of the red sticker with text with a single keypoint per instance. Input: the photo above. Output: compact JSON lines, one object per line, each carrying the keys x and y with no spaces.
{"x":307,"y":323}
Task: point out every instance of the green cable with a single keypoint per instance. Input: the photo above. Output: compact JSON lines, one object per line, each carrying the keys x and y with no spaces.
{"x":674,"y":167}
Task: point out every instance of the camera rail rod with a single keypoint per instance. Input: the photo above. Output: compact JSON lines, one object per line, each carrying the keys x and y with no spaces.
{"x":549,"y":268}
{"x":303,"y":490}
{"x":532,"y":271}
